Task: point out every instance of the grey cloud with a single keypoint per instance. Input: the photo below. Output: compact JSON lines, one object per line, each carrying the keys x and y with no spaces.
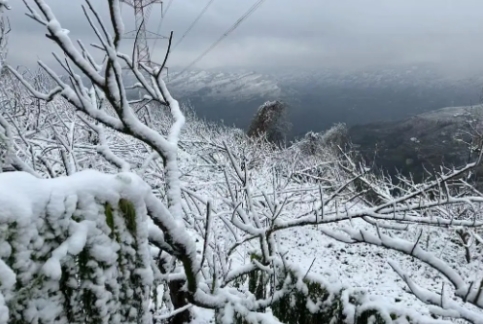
{"x":286,"y":33}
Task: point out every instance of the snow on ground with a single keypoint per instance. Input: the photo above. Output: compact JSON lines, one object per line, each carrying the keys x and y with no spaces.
{"x":356,"y":266}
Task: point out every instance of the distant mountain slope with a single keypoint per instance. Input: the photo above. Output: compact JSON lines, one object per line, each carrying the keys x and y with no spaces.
{"x":222,"y":85}
{"x":320,"y":98}
{"x":425,"y":140}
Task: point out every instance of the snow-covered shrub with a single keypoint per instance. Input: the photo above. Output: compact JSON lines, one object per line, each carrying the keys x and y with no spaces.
{"x":310,"y":144}
{"x":312,"y":300}
{"x":337,"y":135}
{"x":75,"y":249}
{"x":332,"y":140}
{"x":270,"y":122}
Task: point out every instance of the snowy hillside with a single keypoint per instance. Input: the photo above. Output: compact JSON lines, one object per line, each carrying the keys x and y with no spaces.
{"x":294,"y":183}
{"x":224,"y":86}
{"x":220,"y":167}
{"x":421,"y":142}
{"x":418,"y":76}
{"x":360,"y":268}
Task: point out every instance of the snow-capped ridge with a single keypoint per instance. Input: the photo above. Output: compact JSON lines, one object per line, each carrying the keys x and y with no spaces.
{"x":224,"y":85}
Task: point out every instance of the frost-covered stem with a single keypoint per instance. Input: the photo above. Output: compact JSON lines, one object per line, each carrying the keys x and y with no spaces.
{"x":4,"y":31}
{"x":183,"y":246}
{"x":426,"y":187}
{"x":466,"y":239}
{"x":103,"y":147}
{"x":206,"y":234}
{"x":67,"y":154}
{"x":172,"y":169}
{"x":72,"y":96}
{"x":47,"y":166}
{"x":66,"y":160}
{"x":18,"y":163}
{"x":173,"y":313}
{"x":451,"y":308}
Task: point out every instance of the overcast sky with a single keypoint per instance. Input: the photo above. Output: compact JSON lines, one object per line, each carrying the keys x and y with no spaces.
{"x":287,"y":33}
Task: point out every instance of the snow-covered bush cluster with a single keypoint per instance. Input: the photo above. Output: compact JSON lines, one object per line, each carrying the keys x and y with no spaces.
{"x":271,"y":122}
{"x":74,"y":250}
{"x":130,"y":212}
{"x":332,"y":141}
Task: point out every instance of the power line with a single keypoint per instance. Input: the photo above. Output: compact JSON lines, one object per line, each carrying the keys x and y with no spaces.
{"x":160,"y":24}
{"x":229,"y":31}
{"x":193,"y":23}
{"x":169,"y":5}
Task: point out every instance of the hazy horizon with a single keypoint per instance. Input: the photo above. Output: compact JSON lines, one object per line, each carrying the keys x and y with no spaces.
{"x":344,"y":35}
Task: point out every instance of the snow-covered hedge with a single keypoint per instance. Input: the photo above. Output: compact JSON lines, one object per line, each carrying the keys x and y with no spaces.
{"x":312,"y":299}
{"x":74,"y":249}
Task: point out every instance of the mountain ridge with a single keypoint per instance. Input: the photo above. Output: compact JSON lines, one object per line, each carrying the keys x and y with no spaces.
{"x":422,"y":142}
{"x":320,"y":98}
